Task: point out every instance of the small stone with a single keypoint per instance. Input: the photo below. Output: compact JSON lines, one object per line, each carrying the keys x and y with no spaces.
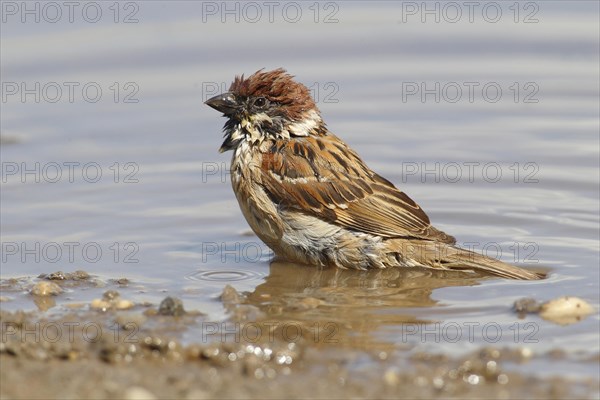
{"x":138,"y":393}
{"x":56,"y":276}
{"x":526,"y":305}
{"x":230,"y":295}
{"x":111,"y":300}
{"x":110,"y":295}
{"x":44,"y":288}
{"x":123,"y":304}
{"x":171,"y":306}
{"x":565,"y":310}
{"x":63,"y":276}
{"x":99,"y":304}
{"x":79,"y":275}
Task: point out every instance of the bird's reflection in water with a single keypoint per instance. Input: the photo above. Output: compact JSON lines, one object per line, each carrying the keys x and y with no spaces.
{"x":348,"y":307}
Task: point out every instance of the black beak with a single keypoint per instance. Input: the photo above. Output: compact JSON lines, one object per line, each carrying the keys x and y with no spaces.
{"x":225,"y":103}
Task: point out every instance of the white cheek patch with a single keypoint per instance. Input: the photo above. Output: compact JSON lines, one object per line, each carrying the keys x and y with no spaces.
{"x":260,"y":117}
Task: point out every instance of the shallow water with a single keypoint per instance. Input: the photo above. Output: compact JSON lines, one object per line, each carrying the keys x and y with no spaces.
{"x":514,"y":175}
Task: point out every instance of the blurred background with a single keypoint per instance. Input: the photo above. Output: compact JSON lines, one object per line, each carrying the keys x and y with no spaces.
{"x":485,"y":113}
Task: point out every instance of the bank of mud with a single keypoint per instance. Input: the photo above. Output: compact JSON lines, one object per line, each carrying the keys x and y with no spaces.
{"x":111,"y":347}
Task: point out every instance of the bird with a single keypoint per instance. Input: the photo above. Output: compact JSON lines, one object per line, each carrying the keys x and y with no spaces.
{"x":311,"y":198}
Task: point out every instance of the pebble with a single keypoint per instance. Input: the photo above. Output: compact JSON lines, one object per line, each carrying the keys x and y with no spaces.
{"x":78,"y":275}
{"x":123,"y":281}
{"x":230,"y":295}
{"x":110,"y":295}
{"x":45,"y":288}
{"x":526,"y":305}
{"x":124,"y":304}
{"x":565,"y":310}
{"x":99,"y":304}
{"x":116,"y":304}
{"x":138,"y":393}
{"x":171,"y":306}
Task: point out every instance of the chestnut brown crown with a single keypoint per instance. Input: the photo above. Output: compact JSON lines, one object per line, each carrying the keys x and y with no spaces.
{"x":267,"y":104}
{"x":277,"y":87}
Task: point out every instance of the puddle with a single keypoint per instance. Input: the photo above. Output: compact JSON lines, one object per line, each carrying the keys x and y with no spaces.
{"x":136,"y":195}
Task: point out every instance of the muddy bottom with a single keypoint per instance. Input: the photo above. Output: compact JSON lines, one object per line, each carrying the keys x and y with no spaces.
{"x":112,"y":347}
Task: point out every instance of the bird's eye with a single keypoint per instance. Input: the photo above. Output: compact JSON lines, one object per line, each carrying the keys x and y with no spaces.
{"x":260,"y":102}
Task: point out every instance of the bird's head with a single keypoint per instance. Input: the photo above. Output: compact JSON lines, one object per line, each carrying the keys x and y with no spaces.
{"x":267,"y":104}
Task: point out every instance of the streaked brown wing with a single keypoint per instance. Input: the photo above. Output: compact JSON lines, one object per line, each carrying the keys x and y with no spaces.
{"x":324,"y":177}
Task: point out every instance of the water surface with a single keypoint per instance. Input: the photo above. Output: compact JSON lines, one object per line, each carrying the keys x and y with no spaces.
{"x":516,"y":176}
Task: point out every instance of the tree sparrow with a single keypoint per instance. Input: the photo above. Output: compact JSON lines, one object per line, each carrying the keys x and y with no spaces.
{"x":312,"y":199}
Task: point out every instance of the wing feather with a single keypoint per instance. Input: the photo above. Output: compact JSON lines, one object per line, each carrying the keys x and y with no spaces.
{"x":324,"y":177}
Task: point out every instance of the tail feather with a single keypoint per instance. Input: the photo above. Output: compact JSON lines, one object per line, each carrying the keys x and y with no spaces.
{"x":448,"y":257}
{"x":465,"y":259}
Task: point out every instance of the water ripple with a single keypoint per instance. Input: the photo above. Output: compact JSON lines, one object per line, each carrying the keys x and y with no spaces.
{"x":224,"y":275}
